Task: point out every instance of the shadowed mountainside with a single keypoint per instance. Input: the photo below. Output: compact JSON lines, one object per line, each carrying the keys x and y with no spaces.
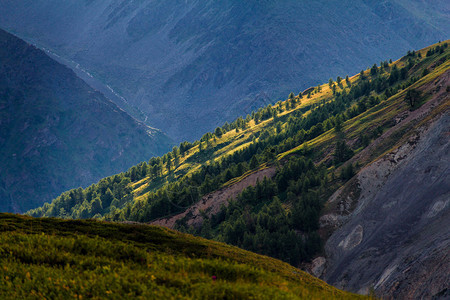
{"x":58,"y":133}
{"x":262,"y":183}
{"x":199,"y":63}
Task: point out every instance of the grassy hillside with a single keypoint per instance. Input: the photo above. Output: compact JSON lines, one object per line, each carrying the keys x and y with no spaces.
{"x":54,"y":258}
{"x":312,"y":143}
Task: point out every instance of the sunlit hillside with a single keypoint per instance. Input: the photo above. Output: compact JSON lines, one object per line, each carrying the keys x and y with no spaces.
{"x":261,"y":182}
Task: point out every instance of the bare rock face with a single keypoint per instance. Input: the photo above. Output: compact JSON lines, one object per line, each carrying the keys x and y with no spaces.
{"x":397,"y":239}
{"x":318,"y":266}
{"x":353,"y":239}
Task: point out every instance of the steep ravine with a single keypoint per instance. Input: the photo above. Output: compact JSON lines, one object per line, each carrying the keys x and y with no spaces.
{"x":396,"y":241}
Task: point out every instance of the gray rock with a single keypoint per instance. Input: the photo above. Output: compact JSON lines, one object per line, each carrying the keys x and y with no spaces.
{"x":397,"y":240}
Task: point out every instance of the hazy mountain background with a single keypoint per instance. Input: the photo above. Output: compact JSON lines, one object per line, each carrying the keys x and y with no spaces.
{"x":56,"y":132}
{"x":191,"y":65}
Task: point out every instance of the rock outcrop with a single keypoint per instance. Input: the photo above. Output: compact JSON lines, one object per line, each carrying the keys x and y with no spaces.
{"x":397,"y":239}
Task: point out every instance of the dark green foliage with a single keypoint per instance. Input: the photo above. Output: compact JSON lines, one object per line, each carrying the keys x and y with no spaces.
{"x":185,"y":146}
{"x":343,"y":152}
{"x":257,"y":220}
{"x":411,"y":53}
{"x":275,"y":211}
{"x":338,"y":124}
{"x":439,"y":49}
{"x":347,"y":172}
{"x":413,"y":96}
{"x":254,"y":162}
{"x":298,"y":129}
{"x":218,"y":132}
{"x":374,"y":70}
{"x":361,"y":75}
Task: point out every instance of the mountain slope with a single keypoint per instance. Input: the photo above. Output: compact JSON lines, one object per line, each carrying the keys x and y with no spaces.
{"x":66,"y":259}
{"x":397,"y":239}
{"x":199,"y":63}
{"x":262,"y":182}
{"x":57,"y":133}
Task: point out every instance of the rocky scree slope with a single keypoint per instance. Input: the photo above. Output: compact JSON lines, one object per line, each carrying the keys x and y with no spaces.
{"x":393,"y":216}
{"x":200,"y":63}
{"x":57,"y":133}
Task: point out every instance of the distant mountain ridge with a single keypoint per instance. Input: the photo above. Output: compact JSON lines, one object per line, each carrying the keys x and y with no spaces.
{"x":192,"y":65}
{"x":58,"y":133}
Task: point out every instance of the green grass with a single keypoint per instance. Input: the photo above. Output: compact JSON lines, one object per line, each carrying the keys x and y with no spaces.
{"x":53,"y":258}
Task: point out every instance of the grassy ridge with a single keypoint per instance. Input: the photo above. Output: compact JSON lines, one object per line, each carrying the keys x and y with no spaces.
{"x":55,"y":258}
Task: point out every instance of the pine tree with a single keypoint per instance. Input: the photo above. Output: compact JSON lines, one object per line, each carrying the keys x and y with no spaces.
{"x":412,"y":97}
{"x":374,"y":70}
{"x":254,"y":162}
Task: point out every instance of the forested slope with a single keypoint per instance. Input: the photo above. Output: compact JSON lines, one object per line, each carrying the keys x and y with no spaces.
{"x":308,"y":139}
